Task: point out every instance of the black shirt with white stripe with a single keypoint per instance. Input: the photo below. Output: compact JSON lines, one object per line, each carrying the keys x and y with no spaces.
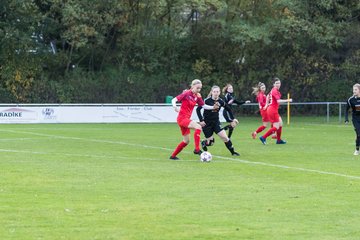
{"x":212,"y":116}
{"x":353,"y":103}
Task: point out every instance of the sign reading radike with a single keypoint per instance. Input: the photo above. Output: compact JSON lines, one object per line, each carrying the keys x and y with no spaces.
{"x":16,"y":115}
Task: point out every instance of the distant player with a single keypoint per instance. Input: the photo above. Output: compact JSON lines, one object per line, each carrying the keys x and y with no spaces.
{"x":259,"y":92}
{"x":354,"y":103}
{"x":210,"y":121}
{"x":273,"y":112}
{"x":229,"y":98}
{"x":263,"y":100}
{"x":189,"y":98}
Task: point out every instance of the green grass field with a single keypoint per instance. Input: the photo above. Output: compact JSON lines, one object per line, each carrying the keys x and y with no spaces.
{"x":115,"y":181}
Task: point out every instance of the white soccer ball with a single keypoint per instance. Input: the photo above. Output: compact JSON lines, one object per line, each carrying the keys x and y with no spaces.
{"x":205,"y":157}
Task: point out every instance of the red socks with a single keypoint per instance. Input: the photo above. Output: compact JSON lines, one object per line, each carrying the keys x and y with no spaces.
{"x":278,"y":133}
{"x":182,"y":145}
{"x":179,"y":148}
{"x":197,"y":139}
{"x":268,"y":133}
{"x":260,"y":129}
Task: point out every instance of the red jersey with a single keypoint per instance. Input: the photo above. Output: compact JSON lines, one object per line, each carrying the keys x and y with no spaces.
{"x":261,"y":99}
{"x":275,"y":95}
{"x":188,"y":101}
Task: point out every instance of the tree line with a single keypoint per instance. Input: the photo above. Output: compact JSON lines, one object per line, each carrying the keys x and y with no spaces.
{"x":131,"y":51}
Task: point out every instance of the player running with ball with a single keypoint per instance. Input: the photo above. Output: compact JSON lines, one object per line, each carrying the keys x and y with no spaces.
{"x":189,"y":98}
{"x":211,"y":123}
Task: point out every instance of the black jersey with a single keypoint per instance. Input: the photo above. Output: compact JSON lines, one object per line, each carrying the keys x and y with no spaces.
{"x":227,"y":113}
{"x":211,"y":115}
{"x":353,"y":103}
{"x":230,"y":96}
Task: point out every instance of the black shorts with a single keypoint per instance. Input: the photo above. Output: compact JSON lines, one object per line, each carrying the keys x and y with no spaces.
{"x":212,"y":127}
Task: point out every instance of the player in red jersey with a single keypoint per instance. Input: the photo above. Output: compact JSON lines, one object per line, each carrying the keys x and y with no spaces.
{"x":259,"y":92}
{"x":189,"y":98}
{"x":273,"y":112}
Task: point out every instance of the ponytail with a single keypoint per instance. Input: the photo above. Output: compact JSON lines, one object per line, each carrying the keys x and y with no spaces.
{"x":224,"y":90}
{"x":256,"y":89}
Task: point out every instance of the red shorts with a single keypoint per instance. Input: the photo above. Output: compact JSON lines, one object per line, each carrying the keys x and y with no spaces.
{"x":273,"y":115}
{"x":184,"y":124}
{"x":264,"y":115}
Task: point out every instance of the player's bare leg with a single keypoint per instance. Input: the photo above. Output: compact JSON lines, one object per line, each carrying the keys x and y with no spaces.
{"x":198,"y":129}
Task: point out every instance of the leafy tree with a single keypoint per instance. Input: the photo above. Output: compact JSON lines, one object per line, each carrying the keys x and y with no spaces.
{"x":141,"y":51}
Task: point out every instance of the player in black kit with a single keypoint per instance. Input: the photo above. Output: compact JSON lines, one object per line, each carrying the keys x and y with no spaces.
{"x":210,"y":121}
{"x":230,"y":99}
{"x":354,"y":103}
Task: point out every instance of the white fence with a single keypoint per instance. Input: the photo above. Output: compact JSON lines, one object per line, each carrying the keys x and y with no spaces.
{"x":86,"y":113}
{"x":118,"y":113}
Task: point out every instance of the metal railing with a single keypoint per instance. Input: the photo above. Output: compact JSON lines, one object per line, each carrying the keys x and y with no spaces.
{"x":328,"y":104}
{"x":323,"y":109}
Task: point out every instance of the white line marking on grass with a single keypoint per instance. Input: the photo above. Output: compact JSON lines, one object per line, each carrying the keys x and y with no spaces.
{"x":85,"y":139}
{"x":221,"y":157}
{"x":288,"y":167}
{"x":18,"y":139}
{"x":88,"y":155}
{"x":71,"y":154}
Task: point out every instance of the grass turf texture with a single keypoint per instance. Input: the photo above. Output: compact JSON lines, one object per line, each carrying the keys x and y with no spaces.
{"x":115,"y":181}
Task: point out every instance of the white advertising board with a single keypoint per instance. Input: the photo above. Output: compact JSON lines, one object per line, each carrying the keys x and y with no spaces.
{"x":89,"y":114}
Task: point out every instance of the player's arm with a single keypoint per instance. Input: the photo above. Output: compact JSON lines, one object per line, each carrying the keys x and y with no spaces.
{"x":267,"y":102}
{"x":205,"y":106}
{"x":234,"y":121}
{"x":347,"y":111}
{"x":228,"y":99}
{"x":208,"y":107}
{"x":284,"y":100}
{"x":173,"y":103}
{"x":198,"y":112}
{"x":241,"y":102}
{"x":228,"y":108}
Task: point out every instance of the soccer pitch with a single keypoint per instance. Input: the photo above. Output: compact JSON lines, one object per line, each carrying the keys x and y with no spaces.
{"x":115,"y":181}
